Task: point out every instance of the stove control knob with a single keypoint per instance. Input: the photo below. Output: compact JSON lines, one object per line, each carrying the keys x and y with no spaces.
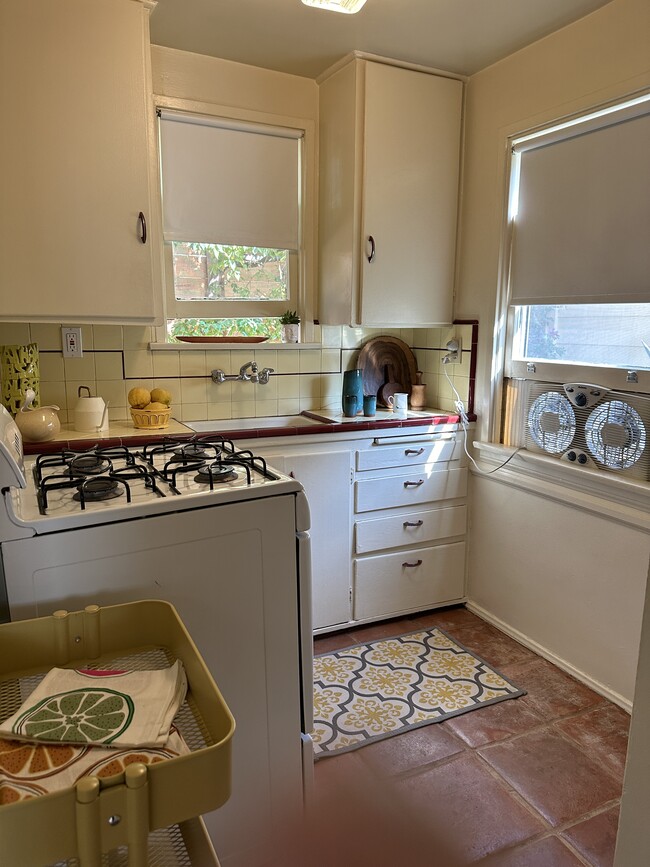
{"x":580,"y":399}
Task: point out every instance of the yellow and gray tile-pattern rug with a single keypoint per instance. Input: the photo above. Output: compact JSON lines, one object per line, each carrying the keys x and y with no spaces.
{"x":372,"y":691}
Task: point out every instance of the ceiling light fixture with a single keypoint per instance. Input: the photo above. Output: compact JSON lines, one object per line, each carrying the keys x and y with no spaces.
{"x":347,"y":6}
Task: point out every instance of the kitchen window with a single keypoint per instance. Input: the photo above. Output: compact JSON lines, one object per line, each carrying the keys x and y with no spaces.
{"x":232,"y":216}
{"x":578,"y":250}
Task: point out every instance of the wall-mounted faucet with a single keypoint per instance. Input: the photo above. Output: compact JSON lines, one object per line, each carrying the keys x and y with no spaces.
{"x":255,"y":375}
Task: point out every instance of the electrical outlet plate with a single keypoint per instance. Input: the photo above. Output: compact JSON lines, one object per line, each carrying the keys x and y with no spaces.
{"x":71,"y":342}
{"x":454,"y":351}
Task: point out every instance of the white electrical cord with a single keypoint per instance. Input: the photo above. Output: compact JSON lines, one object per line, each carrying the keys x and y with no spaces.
{"x":464,"y":421}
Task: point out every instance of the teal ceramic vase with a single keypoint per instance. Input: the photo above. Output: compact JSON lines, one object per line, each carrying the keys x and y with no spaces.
{"x":352,"y":398}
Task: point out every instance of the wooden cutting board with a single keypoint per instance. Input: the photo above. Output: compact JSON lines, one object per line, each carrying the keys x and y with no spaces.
{"x":386,"y":357}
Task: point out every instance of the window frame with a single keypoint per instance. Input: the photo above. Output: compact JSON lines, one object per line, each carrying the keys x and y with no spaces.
{"x":503,"y":366}
{"x":302,"y":264}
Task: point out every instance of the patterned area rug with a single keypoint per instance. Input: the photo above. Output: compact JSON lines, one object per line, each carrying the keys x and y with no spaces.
{"x":372,"y":691}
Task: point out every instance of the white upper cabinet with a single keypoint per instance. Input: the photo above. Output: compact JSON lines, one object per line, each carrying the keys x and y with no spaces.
{"x":77,"y":161}
{"x":390,"y":153}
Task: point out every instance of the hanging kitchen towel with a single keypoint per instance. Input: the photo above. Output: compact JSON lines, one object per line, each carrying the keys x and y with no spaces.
{"x":31,"y":769}
{"x":113,"y":708}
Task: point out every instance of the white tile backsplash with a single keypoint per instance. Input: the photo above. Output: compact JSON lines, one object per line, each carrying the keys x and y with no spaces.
{"x":117,"y":358}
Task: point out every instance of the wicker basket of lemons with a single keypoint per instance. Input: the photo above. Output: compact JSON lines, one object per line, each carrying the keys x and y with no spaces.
{"x":150,"y":410}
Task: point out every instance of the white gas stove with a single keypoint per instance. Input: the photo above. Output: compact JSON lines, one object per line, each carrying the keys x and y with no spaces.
{"x":71,"y":489}
{"x":221,"y":536}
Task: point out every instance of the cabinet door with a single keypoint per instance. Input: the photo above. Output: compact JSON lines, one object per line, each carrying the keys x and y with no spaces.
{"x":75,"y":161}
{"x":325,"y":477}
{"x":410,"y":199}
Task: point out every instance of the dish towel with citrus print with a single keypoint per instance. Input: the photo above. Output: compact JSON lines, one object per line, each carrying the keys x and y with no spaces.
{"x":118,"y":709}
{"x":28,"y":770}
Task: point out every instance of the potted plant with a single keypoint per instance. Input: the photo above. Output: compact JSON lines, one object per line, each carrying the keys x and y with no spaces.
{"x":290,"y":322}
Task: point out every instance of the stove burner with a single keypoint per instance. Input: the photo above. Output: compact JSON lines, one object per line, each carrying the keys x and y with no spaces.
{"x":98,"y":489}
{"x":216,"y":472}
{"x":89,"y":465}
{"x":194,"y":451}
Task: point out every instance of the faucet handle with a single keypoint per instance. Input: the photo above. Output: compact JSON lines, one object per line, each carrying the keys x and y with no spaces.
{"x":264,"y":375}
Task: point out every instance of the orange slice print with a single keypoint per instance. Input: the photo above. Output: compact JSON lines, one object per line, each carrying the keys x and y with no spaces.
{"x":36,"y":760}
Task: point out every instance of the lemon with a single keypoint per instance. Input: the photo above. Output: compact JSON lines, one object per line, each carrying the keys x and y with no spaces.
{"x":139,"y":397}
{"x":156,"y":407}
{"x":161,"y":395}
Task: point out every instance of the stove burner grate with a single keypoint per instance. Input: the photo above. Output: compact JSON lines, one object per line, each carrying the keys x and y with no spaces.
{"x":216,"y":472}
{"x":98,"y":489}
{"x":91,"y":464}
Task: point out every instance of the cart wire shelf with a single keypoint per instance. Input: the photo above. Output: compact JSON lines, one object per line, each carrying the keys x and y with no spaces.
{"x":156,"y":805}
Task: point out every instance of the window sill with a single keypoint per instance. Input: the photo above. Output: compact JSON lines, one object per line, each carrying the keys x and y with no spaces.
{"x":202,"y":347}
{"x":621,"y":498}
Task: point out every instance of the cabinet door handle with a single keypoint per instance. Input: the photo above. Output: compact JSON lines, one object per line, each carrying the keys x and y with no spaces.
{"x":412,"y":565}
{"x":371,"y":256}
{"x":413,"y":484}
{"x":413,"y":451}
{"x":413,"y":523}
{"x":143,"y":227}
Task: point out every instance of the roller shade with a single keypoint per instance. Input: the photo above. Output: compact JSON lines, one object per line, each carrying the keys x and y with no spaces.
{"x":229,"y":183}
{"x":581,"y":232}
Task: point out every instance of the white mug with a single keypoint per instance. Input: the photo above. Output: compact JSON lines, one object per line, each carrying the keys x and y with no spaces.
{"x":399,"y":402}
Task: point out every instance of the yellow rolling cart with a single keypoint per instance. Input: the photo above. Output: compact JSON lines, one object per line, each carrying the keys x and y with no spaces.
{"x":148,"y":814}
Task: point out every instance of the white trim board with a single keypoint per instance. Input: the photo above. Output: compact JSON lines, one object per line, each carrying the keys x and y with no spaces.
{"x":544,"y":652}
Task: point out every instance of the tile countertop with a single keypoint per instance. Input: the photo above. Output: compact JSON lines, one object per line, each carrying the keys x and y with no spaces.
{"x":124,"y":433}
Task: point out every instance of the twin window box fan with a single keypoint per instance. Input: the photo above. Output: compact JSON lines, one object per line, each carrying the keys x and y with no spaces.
{"x":586,"y":425}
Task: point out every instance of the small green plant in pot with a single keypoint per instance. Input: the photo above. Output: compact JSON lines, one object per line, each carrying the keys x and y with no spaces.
{"x":290,"y":322}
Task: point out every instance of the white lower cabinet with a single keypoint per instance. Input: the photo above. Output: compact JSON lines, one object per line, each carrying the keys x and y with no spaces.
{"x":409,"y":525}
{"x":408,"y":580}
{"x":326,"y":476}
{"x":388,"y":522}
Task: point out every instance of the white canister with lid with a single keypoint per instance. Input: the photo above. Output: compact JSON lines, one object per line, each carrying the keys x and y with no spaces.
{"x":90,"y":413}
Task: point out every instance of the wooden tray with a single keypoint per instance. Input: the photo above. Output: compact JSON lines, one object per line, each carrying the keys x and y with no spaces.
{"x":380,"y":354}
{"x":192,"y":339}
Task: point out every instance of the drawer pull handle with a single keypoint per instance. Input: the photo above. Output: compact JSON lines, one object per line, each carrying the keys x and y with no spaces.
{"x":413,"y":484}
{"x":408,"y":452}
{"x":413,"y":523}
{"x":412,"y":565}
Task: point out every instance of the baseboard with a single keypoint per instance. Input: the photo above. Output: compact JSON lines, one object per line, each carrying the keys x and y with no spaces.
{"x":540,"y":650}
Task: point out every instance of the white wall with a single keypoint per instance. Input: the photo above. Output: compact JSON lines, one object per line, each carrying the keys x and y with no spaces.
{"x":572,"y":581}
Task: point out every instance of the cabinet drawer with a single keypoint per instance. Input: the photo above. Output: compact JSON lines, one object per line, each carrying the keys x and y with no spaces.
{"x":385,"y":585}
{"x":377,"y":457}
{"x":423,"y":484}
{"x":413,"y":528}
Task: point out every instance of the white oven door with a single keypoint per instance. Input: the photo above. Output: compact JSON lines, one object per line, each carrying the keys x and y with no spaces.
{"x":231,"y":571}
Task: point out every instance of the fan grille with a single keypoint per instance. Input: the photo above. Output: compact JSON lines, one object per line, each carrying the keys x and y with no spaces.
{"x":615,"y":435}
{"x":552,"y":422}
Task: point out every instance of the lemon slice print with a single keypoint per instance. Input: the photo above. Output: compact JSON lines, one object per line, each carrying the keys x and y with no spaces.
{"x":92,"y":715}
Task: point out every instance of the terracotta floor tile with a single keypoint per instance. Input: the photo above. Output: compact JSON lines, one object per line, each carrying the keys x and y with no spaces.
{"x":554,"y":776}
{"x":357,"y":817}
{"x":410,"y":750}
{"x":464,"y":803}
{"x":595,"y":838}
{"x":496,"y":648}
{"x":332,"y":641}
{"x":603,"y":732}
{"x":551,"y":692}
{"x":445,"y":618}
{"x":549,"y":852}
{"x":485,"y":725}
